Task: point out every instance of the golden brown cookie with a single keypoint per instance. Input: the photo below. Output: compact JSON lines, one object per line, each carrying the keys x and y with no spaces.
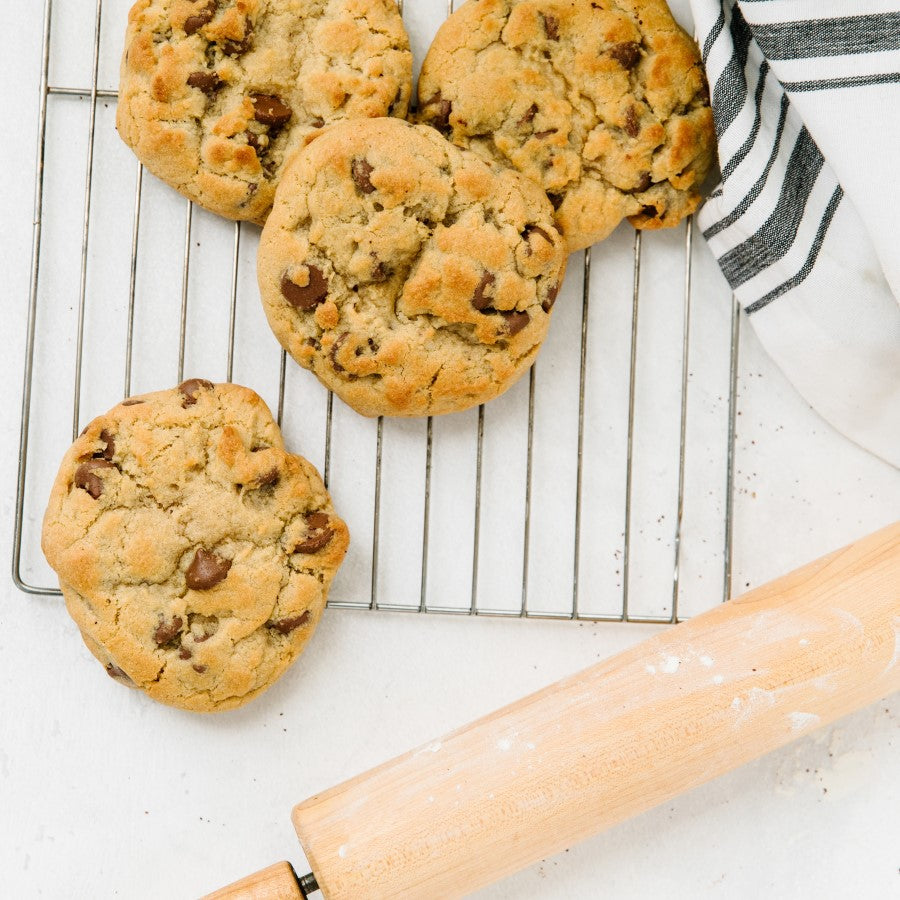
{"x":409,"y":275}
{"x":215,"y":95}
{"x":604,"y":103}
{"x":193,"y":552}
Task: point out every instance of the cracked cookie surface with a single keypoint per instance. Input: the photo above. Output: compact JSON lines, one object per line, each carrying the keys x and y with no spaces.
{"x":412,"y":277}
{"x":603,"y":102}
{"x":215,"y":95}
{"x":193,"y":552}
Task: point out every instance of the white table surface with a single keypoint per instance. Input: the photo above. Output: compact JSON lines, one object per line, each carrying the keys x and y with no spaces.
{"x":103,"y":793}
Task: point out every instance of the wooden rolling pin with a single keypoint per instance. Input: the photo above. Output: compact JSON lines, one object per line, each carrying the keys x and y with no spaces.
{"x":691,"y":703}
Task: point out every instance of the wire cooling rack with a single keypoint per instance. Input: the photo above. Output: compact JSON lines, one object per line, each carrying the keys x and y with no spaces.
{"x":599,"y":487}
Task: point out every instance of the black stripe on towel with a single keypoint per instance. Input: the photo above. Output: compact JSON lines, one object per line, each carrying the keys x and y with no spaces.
{"x":756,"y":190}
{"x":777,"y":234}
{"x":744,"y":149}
{"x":843,"y":36}
{"x":730,"y":91}
{"x":851,"y":81}
{"x":807,"y":267}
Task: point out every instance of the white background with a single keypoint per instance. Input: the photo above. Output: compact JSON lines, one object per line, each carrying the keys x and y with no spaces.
{"x":103,"y":793}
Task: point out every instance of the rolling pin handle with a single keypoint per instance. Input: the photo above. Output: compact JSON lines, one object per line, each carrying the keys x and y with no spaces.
{"x":307,"y":884}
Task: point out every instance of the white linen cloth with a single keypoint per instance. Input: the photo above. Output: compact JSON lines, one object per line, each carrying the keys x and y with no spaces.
{"x":806,"y":102}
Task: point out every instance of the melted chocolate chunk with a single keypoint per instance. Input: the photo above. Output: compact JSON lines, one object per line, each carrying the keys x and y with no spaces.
{"x":530,"y":113}
{"x":334,"y":349}
{"x":236,"y":48}
{"x":87,"y":479}
{"x":551,"y":27}
{"x":115,"y":672}
{"x":536,"y":229}
{"x":479,"y":300}
{"x":360,"y":169}
{"x":515,"y":321}
{"x":208,"y":82}
{"x":191,"y":388}
{"x":132,"y":402}
{"x":318,"y":535}
{"x":441,"y":119}
{"x":305,"y":298}
{"x":267,"y":479}
{"x":627,"y":54}
{"x":202,"y":628}
{"x":206,"y":570}
{"x":556,"y":200}
{"x":109,"y":450}
{"x":184,"y":653}
{"x":542,"y":134}
{"x":166,"y":632}
{"x":287,"y":625}
{"x":193,"y":24}
{"x":270,"y":110}
{"x":547,"y":305}
{"x":645,"y":182}
{"x":649,"y":211}
{"x":632,"y":126}
{"x":253,"y":140}
{"x":198,"y":669}
{"x":317,"y":122}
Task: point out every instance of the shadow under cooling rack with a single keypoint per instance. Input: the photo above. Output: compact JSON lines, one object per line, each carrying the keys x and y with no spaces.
{"x":599,"y":487}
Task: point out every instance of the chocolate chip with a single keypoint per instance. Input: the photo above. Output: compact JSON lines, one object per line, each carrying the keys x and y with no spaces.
{"x":551,"y":27}
{"x":651,"y":211}
{"x":627,"y":54}
{"x":184,"y":653}
{"x":317,"y":122}
{"x":198,"y":669}
{"x":110,"y":448}
{"x":287,"y":625}
{"x":479,"y":300}
{"x":268,"y":479}
{"x":236,"y":48}
{"x":206,"y":570}
{"x":208,"y":82}
{"x":530,"y":113}
{"x":87,"y":480}
{"x":132,"y":402}
{"x":253,"y":140}
{"x":515,"y":321}
{"x":194,"y":23}
{"x":202,"y":628}
{"x":167,"y":631}
{"x":270,"y":110}
{"x":115,"y":672}
{"x":547,"y":305}
{"x":318,"y":535}
{"x":645,"y":182}
{"x":441,"y":119}
{"x":556,"y":200}
{"x":191,"y":388}
{"x":542,"y":134}
{"x":632,"y":126}
{"x":537,"y":230}
{"x":309,"y":297}
{"x":334,"y":349}
{"x":361,"y":170}
{"x":380,"y":271}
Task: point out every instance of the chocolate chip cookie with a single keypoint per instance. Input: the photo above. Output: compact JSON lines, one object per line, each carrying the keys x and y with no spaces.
{"x":216,"y":94}
{"x":408,"y":274}
{"x":193,"y":552}
{"x":604,"y":103}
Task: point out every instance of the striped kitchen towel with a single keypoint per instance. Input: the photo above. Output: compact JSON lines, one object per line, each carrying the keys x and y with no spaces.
{"x":806,"y":102}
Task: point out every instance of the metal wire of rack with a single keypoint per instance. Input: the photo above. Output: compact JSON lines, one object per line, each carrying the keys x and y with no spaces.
{"x":41,"y":305}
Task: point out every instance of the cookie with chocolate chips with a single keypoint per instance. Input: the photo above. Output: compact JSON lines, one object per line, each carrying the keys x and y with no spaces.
{"x":193,"y":552}
{"x":604,"y":103}
{"x":215,"y":95}
{"x":411,"y":276}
